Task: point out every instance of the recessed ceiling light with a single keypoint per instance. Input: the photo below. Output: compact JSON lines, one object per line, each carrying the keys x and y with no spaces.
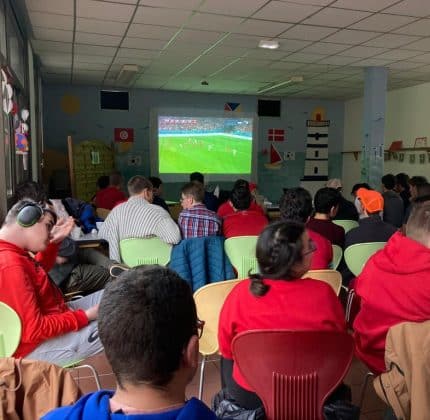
{"x":271,"y":45}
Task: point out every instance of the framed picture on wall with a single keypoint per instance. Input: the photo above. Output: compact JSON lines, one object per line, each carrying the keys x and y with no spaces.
{"x":401,"y":157}
{"x":412,"y":158}
{"x":422,"y":158}
{"x":387,"y":156}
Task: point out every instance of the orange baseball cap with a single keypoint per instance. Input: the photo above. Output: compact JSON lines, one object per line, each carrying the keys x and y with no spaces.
{"x":371,"y":200}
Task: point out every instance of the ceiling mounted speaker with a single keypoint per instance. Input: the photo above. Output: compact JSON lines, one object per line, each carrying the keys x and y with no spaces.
{"x":127,"y":73}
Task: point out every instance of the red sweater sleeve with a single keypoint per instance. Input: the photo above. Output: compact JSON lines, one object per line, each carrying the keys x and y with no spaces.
{"x":47,"y":258}
{"x":226,"y":329}
{"x":40,"y":307}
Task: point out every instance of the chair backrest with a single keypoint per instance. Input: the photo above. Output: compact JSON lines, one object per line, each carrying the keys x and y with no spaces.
{"x":102,"y":213}
{"x":241,"y":252}
{"x":346,"y":224}
{"x":209,"y":301}
{"x":293,"y":372}
{"x":332,"y":277}
{"x":337,"y":256}
{"x":357,"y":255}
{"x":10,"y":330}
{"x":139,"y":251}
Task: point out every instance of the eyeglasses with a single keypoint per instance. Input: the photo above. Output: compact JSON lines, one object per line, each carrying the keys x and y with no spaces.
{"x":311,"y":248}
{"x":200,"y":325}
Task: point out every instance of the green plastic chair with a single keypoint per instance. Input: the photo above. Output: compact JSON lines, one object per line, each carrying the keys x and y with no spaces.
{"x":241,"y":252}
{"x":142,"y":251}
{"x":337,"y":256}
{"x":357,"y":255}
{"x":346,"y":224}
{"x":10,"y":330}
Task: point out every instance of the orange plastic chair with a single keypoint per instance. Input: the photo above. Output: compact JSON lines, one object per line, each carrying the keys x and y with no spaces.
{"x":293,"y":372}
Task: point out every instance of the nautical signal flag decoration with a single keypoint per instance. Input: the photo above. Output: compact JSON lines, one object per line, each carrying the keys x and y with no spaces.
{"x":232,"y":106}
{"x":124,"y":135}
{"x":275,"y":134}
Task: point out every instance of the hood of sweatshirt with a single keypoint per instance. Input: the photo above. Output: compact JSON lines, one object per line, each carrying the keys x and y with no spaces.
{"x":96,"y":406}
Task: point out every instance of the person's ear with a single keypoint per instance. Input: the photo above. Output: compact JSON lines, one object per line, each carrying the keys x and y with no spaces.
{"x":333,"y":211}
{"x":190,"y":358}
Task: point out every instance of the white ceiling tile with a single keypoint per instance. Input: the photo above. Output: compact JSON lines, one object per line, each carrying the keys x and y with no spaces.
{"x":211,"y":22}
{"x":138,"y":30}
{"x":286,"y":12}
{"x":52,"y":34}
{"x":177,"y":4}
{"x":292,"y":44}
{"x":144,"y":44}
{"x":416,"y":8}
{"x":232,"y":7}
{"x":368,"y":62}
{"x":61,"y":7}
{"x":382,"y":22}
{"x":403,"y":65}
{"x":260,"y":53}
{"x":421,"y":45}
{"x":97,"y":39}
{"x":423,"y":58}
{"x":184,"y":49}
{"x":325,"y":48}
{"x":131,"y":53}
{"x":261,"y":27}
{"x":303,"y":58}
{"x":351,"y":37}
{"x":40,"y":46}
{"x":57,"y":60}
{"x":100,"y":26}
{"x":104,"y":10}
{"x":122,"y":1}
{"x":95,"y":50}
{"x":98,"y":59}
{"x":419,"y":28}
{"x":307,"y":32}
{"x":369,"y":5}
{"x":398,"y":54}
{"x":196,"y":36}
{"x":338,"y":18}
{"x":139,"y":61}
{"x":239,"y":40}
{"x":149,"y":81}
{"x":49,"y":20}
{"x":362,"y":52}
{"x":391,"y":41}
{"x":337,"y":60}
{"x":89,"y":66}
{"x":160,"y":16}
{"x":422,"y":69}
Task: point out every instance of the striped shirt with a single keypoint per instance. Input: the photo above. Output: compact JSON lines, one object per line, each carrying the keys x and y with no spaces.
{"x":136,"y":218}
{"x":198,"y":221}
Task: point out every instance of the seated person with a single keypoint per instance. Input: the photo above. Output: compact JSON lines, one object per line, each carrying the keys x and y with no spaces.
{"x":402,"y":187}
{"x":326,"y":203}
{"x":157,"y":190}
{"x":418,"y":187}
{"x":393,"y":203}
{"x":195,"y":220}
{"x":296,"y":205}
{"x":210,"y":200}
{"x":346,"y":209}
{"x":101,"y":184}
{"x":243,"y":221}
{"x":109,"y":197}
{"x":153,"y":358}
{"x":356,"y":187}
{"x":371,"y":228}
{"x":394,"y":287}
{"x":227,"y":208}
{"x":51,"y":329}
{"x":276,"y":298}
{"x":138,"y":218}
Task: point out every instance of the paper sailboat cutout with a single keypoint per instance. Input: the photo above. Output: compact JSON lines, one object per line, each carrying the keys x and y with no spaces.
{"x":275,"y":159}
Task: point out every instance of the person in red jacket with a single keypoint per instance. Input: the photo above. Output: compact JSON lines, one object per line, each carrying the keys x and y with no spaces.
{"x":394,"y":287}
{"x":109,"y":197}
{"x":51,"y":329}
{"x":276,"y":298}
{"x":296,"y":204}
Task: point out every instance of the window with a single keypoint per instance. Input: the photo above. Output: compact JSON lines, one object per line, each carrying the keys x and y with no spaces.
{"x":317,"y":153}
{"x":16,"y":49}
{"x":315,"y":170}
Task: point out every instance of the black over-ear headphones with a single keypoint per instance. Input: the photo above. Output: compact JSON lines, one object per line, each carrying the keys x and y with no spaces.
{"x":29,"y":214}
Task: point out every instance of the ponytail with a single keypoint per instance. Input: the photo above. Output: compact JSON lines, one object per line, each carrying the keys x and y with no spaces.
{"x":257,"y":287}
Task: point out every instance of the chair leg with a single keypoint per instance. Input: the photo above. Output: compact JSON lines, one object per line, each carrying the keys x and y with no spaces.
{"x":202,"y":377}
{"x":93,"y":371}
{"x":363,"y":388}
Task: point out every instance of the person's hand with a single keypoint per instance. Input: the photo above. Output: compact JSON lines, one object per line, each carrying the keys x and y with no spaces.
{"x":92,"y":313}
{"x":62,"y":229}
{"x":61,"y":260}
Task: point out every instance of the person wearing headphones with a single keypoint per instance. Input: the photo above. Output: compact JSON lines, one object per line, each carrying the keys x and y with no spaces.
{"x":51,"y":329}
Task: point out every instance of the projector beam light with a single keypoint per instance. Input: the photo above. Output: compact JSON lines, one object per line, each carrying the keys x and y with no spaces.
{"x":293,"y":79}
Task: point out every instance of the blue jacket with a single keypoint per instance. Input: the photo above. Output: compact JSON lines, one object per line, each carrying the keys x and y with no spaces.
{"x":96,"y":406}
{"x":201,"y":261}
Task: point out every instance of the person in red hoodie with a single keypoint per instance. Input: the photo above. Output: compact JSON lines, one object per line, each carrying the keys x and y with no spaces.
{"x":109,"y":197}
{"x":394,"y":287}
{"x":51,"y":329}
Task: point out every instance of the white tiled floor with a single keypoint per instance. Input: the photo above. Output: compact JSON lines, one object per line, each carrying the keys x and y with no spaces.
{"x":373,"y":408}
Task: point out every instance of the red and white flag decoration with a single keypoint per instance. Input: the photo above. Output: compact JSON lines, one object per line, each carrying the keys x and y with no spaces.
{"x":124,"y":135}
{"x":275,"y":134}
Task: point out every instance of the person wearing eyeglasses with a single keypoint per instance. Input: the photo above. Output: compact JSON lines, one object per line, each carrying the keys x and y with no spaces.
{"x":148,"y":325}
{"x":278,"y":297}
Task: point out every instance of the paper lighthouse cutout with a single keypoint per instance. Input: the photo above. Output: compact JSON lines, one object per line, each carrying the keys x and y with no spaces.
{"x":316,"y":160}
